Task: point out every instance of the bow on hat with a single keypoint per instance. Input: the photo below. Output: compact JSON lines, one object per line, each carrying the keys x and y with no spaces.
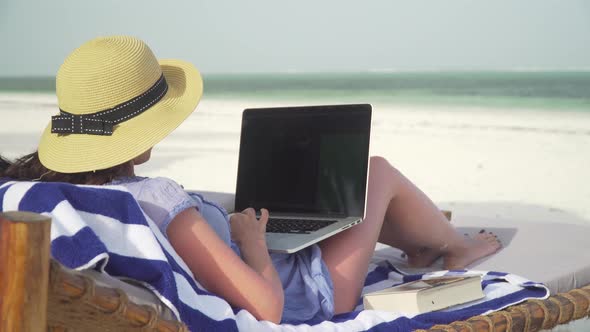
{"x":102,"y":123}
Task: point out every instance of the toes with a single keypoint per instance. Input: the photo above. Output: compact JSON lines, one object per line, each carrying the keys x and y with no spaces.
{"x":483,"y":236}
{"x":489,"y":238}
{"x":494,"y":241}
{"x":492,"y":238}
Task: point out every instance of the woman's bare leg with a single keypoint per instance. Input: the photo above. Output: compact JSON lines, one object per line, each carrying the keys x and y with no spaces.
{"x":412,"y":222}
{"x":415,"y":225}
{"x":348,"y":253}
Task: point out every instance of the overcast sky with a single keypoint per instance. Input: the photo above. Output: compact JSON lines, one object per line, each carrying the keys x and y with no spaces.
{"x":222,"y":36}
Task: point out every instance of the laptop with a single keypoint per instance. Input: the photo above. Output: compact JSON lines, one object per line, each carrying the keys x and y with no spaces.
{"x":308,"y":166}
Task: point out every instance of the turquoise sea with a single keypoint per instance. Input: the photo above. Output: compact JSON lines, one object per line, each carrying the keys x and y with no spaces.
{"x":539,"y":90}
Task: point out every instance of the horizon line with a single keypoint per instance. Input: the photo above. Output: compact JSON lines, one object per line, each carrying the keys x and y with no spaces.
{"x":369,"y":71}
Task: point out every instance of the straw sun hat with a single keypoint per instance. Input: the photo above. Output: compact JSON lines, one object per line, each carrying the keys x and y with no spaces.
{"x":116,"y":101}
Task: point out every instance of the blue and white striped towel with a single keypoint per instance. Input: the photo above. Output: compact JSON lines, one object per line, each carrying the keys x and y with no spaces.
{"x":104,"y":228}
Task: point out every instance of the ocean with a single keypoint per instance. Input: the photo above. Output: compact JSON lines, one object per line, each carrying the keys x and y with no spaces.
{"x":531,"y":90}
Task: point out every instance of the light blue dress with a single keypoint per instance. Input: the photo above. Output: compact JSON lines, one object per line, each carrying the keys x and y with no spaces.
{"x":308,"y":288}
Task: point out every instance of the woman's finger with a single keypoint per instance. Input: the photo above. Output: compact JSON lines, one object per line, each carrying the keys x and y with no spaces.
{"x":263,"y":216}
{"x":249,"y":212}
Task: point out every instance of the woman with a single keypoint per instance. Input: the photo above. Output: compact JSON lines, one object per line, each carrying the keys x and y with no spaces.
{"x":117,"y":101}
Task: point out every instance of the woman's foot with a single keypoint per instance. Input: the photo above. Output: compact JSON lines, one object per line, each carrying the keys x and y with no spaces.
{"x":423,"y":257}
{"x":481,"y":245}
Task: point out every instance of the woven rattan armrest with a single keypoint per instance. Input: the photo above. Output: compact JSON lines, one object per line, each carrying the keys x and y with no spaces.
{"x":38,"y":294}
{"x":530,"y":316}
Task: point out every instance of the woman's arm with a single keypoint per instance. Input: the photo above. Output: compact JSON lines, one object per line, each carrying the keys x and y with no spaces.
{"x":250,"y":235}
{"x":254,"y":285}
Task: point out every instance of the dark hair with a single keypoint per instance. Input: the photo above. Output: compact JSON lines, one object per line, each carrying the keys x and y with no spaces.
{"x":29,"y":167}
{"x":4,"y":164}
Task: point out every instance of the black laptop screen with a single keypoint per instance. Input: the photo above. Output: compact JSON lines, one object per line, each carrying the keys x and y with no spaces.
{"x":307,"y":160}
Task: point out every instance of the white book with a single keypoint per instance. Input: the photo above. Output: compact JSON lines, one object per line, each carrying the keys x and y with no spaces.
{"x":426,"y":295}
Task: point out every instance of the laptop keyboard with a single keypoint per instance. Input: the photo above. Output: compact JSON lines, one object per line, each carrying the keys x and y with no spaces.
{"x":306,"y":226}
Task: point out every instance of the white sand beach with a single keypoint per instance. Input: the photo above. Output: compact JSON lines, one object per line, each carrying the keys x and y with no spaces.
{"x":455,"y":154}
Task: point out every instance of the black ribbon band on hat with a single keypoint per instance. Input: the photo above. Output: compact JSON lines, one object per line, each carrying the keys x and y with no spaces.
{"x":102,"y":123}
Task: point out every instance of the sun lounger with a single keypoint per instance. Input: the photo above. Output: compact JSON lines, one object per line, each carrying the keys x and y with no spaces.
{"x":72,"y":298}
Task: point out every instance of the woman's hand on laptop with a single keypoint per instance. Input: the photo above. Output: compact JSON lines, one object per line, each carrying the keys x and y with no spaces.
{"x":215,"y":265}
{"x":249,"y":234}
{"x":246,"y":229}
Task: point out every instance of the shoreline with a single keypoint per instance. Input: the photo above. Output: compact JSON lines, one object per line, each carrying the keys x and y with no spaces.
{"x":454,"y":154}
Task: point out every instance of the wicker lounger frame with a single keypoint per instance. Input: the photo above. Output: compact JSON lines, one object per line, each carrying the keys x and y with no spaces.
{"x":37,"y":294}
